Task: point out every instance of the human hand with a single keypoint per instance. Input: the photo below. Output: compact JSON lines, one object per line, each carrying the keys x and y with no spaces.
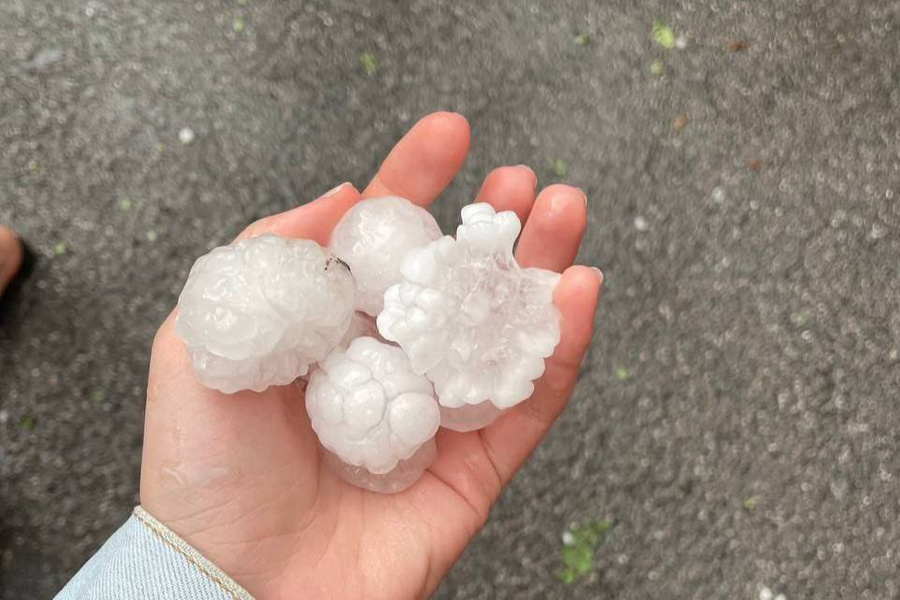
{"x":11,"y":255}
{"x":240,"y":477}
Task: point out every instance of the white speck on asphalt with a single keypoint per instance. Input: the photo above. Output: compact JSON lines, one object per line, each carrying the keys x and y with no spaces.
{"x":186,"y":135}
{"x":44,"y":57}
{"x":766,"y":594}
{"x":718,"y":195}
{"x":640,"y":223}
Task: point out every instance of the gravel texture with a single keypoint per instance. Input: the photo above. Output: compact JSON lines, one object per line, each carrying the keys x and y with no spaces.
{"x":736,"y":419}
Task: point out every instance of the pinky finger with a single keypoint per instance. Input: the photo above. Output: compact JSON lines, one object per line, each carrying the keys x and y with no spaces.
{"x":510,"y":440}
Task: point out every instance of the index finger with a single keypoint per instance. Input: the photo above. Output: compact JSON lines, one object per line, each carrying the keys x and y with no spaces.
{"x":313,"y":221}
{"x":424,"y":161}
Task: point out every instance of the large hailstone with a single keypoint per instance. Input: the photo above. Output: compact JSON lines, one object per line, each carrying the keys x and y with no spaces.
{"x":260,"y":311}
{"x":374,"y":413}
{"x":373,"y":237}
{"x":470,"y":319}
{"x":406,"y":473}
{"x":469,"y":417}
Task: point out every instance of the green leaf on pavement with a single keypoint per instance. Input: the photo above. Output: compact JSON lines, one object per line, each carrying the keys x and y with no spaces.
{"x":662,"y":35}
{"x":577,"y":553}
{"x":369,"y":64}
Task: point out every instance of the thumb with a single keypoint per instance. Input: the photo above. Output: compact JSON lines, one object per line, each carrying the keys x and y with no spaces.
{"x":201,"y":445}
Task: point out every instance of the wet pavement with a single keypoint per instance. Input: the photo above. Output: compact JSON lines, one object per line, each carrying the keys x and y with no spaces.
{"x":736,"y":419}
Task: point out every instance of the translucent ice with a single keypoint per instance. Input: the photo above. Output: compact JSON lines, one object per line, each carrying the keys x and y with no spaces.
{"x":373,"y":237}
{"x":407,"y":472}
{"x":469,"y":417}
{"x":361,"y":325}
{"x":478,"y":325}
{"x":259,"y":312}
{"x":370,"y":409}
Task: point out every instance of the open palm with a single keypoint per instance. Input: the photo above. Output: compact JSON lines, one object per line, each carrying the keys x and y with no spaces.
{"x":240,"y":476}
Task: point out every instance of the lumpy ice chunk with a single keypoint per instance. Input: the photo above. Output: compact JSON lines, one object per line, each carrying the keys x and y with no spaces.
{"x":478,"y":325}
{"x":373,"y":237}
{"x":406,"y":473}
{"x":260,"y":311}
{"x":369,"y":408}
{"x":469,"y":417}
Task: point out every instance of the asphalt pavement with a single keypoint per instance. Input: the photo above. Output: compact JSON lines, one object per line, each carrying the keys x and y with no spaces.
{"x":736,"y":417}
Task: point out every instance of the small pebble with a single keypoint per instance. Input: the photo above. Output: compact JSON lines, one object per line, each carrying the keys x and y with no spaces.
{"x":640,"y":223}
{"x":681,"y":42}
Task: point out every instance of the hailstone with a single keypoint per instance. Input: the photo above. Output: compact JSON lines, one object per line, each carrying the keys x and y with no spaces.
{"x":369,"y":408}
{"x":469,"y":417}
{"x":260,"y":311}
{"x":361,"y":325}
{"x":373,"y":236}
{"x":407,"y":472}
{"x":469,"y":317}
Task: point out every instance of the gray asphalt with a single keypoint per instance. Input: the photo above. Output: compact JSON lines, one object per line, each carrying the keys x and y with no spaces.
{"x":736,"y":419}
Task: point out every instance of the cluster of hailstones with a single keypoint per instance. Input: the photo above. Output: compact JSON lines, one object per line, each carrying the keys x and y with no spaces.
{"x":398,"y":329}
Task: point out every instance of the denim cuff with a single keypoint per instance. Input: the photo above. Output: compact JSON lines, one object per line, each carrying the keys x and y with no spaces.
{"x":146,"y":560}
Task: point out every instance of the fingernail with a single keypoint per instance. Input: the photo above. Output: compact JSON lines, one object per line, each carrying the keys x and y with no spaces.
{"x":599,"y":274}
{"x":584,"y":196}
{"x":530,"y":171}
{"x":335,"y":190}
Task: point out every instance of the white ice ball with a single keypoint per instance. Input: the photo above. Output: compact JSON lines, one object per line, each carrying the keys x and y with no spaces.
{"x":369,"y":408}
{"x":373,"y":237}
{"x":260,"y":311}
{"x":406,"y":473}
{"x":478,"y":325}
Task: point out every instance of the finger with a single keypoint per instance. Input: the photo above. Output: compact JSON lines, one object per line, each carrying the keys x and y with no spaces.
{"x":424,"y":161}
{"x":510,"y":439}
{"x":551,"y":236}
{"x":10,"y":256}
{"x":509,"y":188}
{"x":478,"y":464}
{"x":313,"y":221}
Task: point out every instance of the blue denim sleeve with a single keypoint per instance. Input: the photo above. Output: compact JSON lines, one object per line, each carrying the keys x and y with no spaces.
{"x":145,"y":560}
